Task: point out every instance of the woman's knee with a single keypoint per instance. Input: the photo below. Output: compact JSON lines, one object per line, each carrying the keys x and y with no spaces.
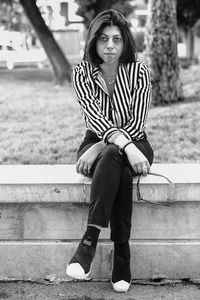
{"x":110,"y":152}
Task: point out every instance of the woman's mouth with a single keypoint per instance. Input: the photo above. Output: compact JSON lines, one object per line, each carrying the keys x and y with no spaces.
{"x":109,"y":54}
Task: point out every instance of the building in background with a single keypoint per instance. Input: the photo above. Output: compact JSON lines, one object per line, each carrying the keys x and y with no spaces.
{"x":67,"y":28}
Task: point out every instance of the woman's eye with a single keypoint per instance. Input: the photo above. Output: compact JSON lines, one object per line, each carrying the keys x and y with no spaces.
{"x":103,"y":38}
{"x":117,"y":39}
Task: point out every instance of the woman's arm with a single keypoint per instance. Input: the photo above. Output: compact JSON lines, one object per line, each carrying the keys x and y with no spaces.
{"x":136,"y":158}
{"x":87,"y":159}
{"x":137,"y":123}
{"x":84,"y":88}
{"x":141,"y":104}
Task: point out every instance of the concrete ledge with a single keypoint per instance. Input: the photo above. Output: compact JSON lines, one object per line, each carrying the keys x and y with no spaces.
{"x":61,"y":183}
{"x":43,"y":214}
{"x":62,"y":174}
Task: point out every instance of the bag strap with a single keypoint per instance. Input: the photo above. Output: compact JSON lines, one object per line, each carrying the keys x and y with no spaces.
{"x":169,"y":199}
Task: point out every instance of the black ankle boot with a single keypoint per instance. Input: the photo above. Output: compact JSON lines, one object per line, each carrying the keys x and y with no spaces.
{"x":79,"y":265}
{"x":121,"y":274}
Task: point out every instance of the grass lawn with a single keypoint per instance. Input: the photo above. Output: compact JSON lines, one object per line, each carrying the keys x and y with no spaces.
{"x":42,"y":124}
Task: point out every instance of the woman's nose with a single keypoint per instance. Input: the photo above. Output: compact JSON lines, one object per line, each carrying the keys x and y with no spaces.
{"x":110,"y":44}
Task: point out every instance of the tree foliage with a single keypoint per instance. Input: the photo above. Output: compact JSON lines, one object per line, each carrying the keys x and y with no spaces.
{"x":188,"y":12}
{"x":88,"y":9}
{"x":12,"y":17}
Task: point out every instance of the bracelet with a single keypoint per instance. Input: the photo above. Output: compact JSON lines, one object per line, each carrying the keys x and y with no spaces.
{"x":126,"y":145}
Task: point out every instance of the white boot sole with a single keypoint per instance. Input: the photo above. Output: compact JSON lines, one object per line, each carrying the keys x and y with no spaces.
{"x":121,"y":286}
{"x":76,"y":271}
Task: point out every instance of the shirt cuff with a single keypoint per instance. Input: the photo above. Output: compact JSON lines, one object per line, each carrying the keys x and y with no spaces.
{"x":109,"y":133}
{"x":126,"y":134}
{"x":121,"y":141}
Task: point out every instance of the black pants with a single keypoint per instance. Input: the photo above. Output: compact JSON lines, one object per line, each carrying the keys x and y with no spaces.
{"x":111,"y":189}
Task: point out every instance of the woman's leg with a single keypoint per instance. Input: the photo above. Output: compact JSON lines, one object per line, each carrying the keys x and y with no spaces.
{"x":122,"y":207}
{"x":121,"y":222}
{"x":105,"y":185}
{"x":106,"y":178}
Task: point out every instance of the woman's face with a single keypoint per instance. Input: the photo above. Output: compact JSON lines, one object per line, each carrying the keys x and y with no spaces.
{"x":110,"y":44}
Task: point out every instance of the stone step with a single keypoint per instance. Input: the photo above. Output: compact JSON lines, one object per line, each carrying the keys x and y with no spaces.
{"x":64,"y":221}
{"x":150,"y":259}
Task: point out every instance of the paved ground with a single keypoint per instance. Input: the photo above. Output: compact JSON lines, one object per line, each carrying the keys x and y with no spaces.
{"x":96,"y":291}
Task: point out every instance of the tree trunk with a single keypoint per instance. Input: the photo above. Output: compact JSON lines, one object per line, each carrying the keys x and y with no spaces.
{"x":61,"y":67}
{"x":189,"y":44}
{"x":161,"y":41}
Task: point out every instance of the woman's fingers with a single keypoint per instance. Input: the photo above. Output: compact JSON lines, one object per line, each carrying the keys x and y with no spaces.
{"x":145,"y":171}
{"x":77,"y":167}
{"x":139,"y":168}
{"x":142,"y":168}
{"x":80,"y":167}
{"x":83,"y":167}
{"x":86,"y":170}
{"x":146,"y":168}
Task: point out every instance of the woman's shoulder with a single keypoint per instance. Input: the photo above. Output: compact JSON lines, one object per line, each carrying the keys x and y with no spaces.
{"x":83,"y":67}
{"x":137,"y":63}
{"x":137,"y":67}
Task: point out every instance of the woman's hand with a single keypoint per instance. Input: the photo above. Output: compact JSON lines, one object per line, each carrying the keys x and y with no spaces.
{"x":137,"y":160}
{"x":85,"y":162}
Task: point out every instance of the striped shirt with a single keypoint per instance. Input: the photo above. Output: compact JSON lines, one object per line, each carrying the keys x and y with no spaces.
{"x":126,"y":111}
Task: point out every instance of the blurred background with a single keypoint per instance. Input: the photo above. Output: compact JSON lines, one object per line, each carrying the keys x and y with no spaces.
{"x":68,"y":21}
{"x":41,"y":41}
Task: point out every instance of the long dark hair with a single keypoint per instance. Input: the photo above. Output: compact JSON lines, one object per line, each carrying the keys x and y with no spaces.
{"x":107,"y":18}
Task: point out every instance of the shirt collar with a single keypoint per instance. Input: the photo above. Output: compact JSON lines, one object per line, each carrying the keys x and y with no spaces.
{"x":98,"y":78}
{"x":96,"y":72}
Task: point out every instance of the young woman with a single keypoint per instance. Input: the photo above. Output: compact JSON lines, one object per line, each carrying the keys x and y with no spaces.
{"x":114,"y":93}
